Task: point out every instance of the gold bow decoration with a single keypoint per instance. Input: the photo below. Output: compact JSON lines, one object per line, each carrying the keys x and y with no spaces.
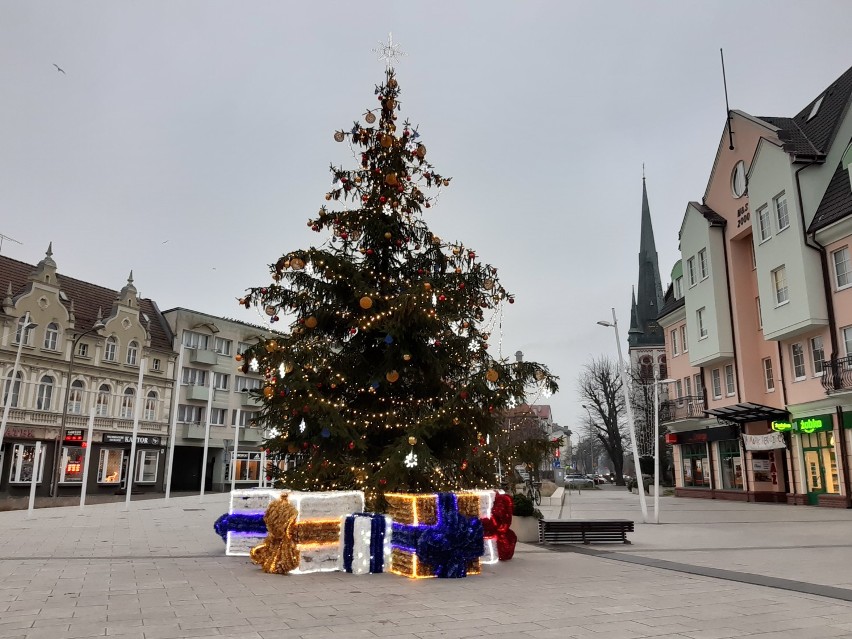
{"x":278,"y":552}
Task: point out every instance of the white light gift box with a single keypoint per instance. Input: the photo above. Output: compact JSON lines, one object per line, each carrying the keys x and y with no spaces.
{"x":248,"y":501}
{"x":318,"y":526}
{"x":365,"y":543}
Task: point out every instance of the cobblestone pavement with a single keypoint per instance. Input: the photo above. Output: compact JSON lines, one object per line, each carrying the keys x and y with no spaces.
{"x":158,"y":571}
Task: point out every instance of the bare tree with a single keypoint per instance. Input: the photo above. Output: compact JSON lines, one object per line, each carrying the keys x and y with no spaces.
{"x":600,"y":389}
{"x":522,"y":440}
{"x":642,"y":399}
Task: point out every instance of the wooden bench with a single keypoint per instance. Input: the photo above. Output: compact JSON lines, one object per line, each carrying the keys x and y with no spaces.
{"x":585,"y":531}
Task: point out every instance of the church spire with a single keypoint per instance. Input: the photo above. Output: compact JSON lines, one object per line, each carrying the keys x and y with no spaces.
{"x":649,"y":299}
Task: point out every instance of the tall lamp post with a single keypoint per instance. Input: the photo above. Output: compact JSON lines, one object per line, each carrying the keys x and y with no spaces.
{"x":13,"y":376}
{"x":54,"y":484}
{"x":591,"y":439}
{"x":631,"y":425}
{"x":657,"y":382}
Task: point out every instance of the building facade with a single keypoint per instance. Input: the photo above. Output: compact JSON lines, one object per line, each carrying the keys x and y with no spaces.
{"x":80,"y":350}
{"x":756,"y":327}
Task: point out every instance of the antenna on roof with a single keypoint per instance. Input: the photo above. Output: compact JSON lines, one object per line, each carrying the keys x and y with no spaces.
{"x":6,"y":237}
{"x":727,"y":107}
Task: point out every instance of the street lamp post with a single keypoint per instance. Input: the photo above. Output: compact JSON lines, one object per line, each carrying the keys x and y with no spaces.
{"x":657,"y":382}
{"x":630,"y":423}
{"x":54,"y":484}
{"x":13,"y":377}
{"x":591,"y":439}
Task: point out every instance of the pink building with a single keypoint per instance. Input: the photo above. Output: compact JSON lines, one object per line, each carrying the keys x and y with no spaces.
{"x":758,"y":320}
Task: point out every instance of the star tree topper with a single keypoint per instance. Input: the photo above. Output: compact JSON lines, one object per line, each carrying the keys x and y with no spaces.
{"x":389,"y":52}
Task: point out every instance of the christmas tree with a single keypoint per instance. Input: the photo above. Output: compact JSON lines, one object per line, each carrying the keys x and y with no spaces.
{"x":383,"y":380}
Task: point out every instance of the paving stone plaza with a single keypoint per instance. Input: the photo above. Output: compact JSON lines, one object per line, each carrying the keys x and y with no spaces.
{"x":711,"y":570}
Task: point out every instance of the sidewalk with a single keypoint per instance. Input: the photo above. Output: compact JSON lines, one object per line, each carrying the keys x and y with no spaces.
{"x":158,"y":571}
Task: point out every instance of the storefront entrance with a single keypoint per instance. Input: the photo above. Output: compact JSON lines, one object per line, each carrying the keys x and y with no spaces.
{"x":820,"y":465}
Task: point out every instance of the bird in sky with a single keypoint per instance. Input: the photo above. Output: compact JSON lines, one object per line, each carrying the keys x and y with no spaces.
{"x":58,"y":68}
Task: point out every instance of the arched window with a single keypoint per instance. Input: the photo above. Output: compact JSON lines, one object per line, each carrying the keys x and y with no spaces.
{"x":13,"y":388}
{"x":151,"y":406}
{"x":132,"y":349}
{"x":646,"y":367}
{"x":127,"y":404}
{"x":109,"y":349}
{"x":75,"y":397}
{"x":664,"y":369}
{"x":51,"y":336}
{"x":102,"y":404}
{"x":45,"y":393}
{"x":28,"y":334}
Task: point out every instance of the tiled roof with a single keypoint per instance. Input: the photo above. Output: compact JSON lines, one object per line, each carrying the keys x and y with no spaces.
{"x":709,"y":214}
{"x":836,"y":202}
{"x":809,"y":137}
{"x":87,"y":298}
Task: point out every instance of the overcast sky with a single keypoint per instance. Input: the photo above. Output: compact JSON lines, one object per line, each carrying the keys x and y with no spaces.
{"x":190,"y":140}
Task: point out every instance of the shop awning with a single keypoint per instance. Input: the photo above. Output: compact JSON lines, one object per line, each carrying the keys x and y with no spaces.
{"x":749,"y":412}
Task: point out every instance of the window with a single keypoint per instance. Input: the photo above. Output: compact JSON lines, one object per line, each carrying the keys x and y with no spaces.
{"x":110,"y":349}
{"x":779,"y":281}
{"x":242,"y":347}
{"x":71,"y":466}
{"x":146,"y":466}
{"x":196,"y":340}
{"x":779,"y":202}
{"x":102,"y":402}
{"x":132,"y":350}
{"x":75,"y":397}
{"x":738,"y":180}
{"x":699,"y":388}
{"x":759,"y":313}
{"x":51,"y":336}
{"x":679,"y":392}
{"x":246,"y":417}
{"x":662,"y":367}
{"x":127,"y":404}
{"x":767,"y":375}
{"x":221,"y":381}
{"x":194,"y":377}
{"x":13,"y":388}
{"x":44,"y":394}
{"x":763,"y":224}
{"x":28,"y":333}
{"x":815,"y":107}
{"x":731,"y":463}
{"x":217,"y":416}
{"x":675,"y":348}
{"x":798,"y":356}
{"x":190,"y":414}
{"x":730,"y":387}
{"x":696,"y":465}
{"x":717,"y":383}
{"x":690,"y":270}
{"x":155,"y":364}
{"x":82,"y":350}
{"x":246,"y":467}
{"x":842,"y":270}
{"x":110,"y":466}
{"x":847,"y":340}
{"x":678,"y":287}
{"x":817,"y":355}
{"x":702,"y":263}
{"x":222,"y":346}
{"x":683,"y":339}
{"x":151,"y":406}
{"x":246,"y":383}
{"x":646,"y":367}
{"x":702,"y":329}
{"x":687,"y":386}
{"x":23,"y":464}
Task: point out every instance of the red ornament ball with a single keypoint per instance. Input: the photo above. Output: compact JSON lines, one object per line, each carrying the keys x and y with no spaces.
{"x":351,"y":445}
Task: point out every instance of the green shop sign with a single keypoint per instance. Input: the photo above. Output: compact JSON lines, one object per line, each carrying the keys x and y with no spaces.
{"x":807,"y":425}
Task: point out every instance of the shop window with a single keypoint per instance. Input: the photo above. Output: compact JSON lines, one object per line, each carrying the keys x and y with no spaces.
{"x":696,"y":466}
{"x":110,"y":466}
{"x":245,"y":469}
{"x":821,"y":462}
{"x":146,"y":466}
{"x":761,"y":466}
{"x":73,"y":458}
{"x":730,"y":459}
{"x":23,"y":464}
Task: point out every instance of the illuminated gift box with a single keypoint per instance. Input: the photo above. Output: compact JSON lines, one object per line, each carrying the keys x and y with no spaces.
{"x":437,"y":535}
{"x":253,"y":500}
{"x":365,"y":543}
{"x":304,"y":531}
{"x":243,"y":527}
{"x":486,"y":503}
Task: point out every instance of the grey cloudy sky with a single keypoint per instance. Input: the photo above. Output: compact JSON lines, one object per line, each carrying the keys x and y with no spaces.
{"x":189,"y":141}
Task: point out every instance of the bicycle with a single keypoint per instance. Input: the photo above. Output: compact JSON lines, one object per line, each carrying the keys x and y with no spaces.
{"x":532,"y":490}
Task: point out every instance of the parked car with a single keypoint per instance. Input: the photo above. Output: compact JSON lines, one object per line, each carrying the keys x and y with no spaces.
{"x":576,"y":480}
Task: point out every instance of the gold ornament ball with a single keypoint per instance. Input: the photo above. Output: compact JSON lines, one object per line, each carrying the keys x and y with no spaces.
{"x":366,"y":302}
{"x":456,"y":421}
{"x":412,"y":440}
{"x":311,"y":322}
{"x":421,"y":151}
{"x":388,"y":235}
{"x":268,"y":391}
{"x":391,"y":179}
{"x":269,"y":310}
{"x":338,"y":136}
{"x":370,"y":117}
{"x":427,"y":286}
{"x":392,"y":376}
{"x":539,"y":375}
{"x":387,"y":141}
{"x":297,"y":263}
{"x":238,"y":357}
{"x":488,"y":284}
{"x":491,"y":375}
{"x":271,"y":345}
{"x":406,"y":357}
{"x":392,"y":83}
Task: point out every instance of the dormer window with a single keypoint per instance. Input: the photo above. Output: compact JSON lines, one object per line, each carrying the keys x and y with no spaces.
{"x":815,"y":108}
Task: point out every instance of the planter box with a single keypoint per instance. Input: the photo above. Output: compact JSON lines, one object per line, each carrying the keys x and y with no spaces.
{"x":526,"y":528}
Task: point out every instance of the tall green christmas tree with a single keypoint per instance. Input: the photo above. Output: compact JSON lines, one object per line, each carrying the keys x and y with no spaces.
{"x":383,"y":380}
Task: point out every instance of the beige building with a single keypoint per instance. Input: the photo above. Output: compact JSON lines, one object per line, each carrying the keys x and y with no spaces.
{"x":213,"y":398}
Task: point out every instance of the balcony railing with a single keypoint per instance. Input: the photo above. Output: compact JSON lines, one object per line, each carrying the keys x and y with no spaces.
{"x":837,"y":374}
{"x":688,"y":407}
